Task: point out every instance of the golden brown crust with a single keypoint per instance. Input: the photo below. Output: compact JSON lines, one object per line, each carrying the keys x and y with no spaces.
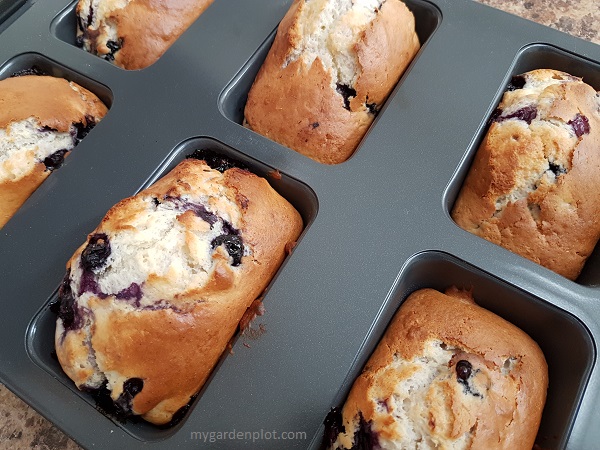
{"x":14,"y":193}
{"x":556,"y":225}
{"x":174,"y":348}
{"x":507,"y":411}
{"x":147,"y":29}
{"x":296,"y":105}
{"x":53,"y":102}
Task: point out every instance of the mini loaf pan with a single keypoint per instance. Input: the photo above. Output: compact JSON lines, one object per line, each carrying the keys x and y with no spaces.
{"x":233,"y":98}
{"x":40,"y":345}
{"x":377,"y":227}
{"x":570,"y":354}
{"x":8,"y":8}
{"x":532,"y":57}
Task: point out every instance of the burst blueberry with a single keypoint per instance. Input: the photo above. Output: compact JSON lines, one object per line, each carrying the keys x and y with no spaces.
{"x":373,"y":108}
{"x":55,"y":160}
{"x":114,"y":46}
{"x":364,"y":437}
{"x":580,"y":125}
{"x":66,"y":302}
{"x":516,"y":82}
{"x":556,"y":169}
{"x":334,"y":425}
{"x":96,"y":252}
{"x":131,"y":388}
{"x":65,"y":307}
{"x":527,"y":114}
{"x":346,"y":92}
{"x":83,"y":130}
{"x":233,"y":244}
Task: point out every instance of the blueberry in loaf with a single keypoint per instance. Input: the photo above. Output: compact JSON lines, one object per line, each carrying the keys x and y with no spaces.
{"x":133,"y":34}
{"x":42,"y":118}
{"x":532,"y":187}
{"x":446,"y":374}
{"x":331,"y":67}
{"x":151,"y":299}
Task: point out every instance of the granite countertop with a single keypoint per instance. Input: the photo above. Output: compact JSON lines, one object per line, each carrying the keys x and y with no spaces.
{"x":576,"y":17}
{"x":23,"y":428}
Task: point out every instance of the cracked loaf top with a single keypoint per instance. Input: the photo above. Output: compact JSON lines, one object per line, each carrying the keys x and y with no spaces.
{"x":42,"y":118}
{"x":331,"y":67}
{"x":446,"y":374}
{"x":152,"y":298}
{"x":534,"y":183}
{"x":133,"y":34}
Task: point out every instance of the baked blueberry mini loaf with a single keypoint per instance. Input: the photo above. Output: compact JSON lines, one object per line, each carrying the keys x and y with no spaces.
{"x":447,"y":374}
{"x":42,"y":118}
{"x":533,"y":186}
{"x":330,"y":69}
{"x":134,"y":34}
{"x":151,"y":300}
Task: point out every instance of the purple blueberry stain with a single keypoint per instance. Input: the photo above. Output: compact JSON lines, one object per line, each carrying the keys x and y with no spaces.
{"x":65,"y":306}
{"x":133,"y":292}
{"x":527,"y":114}
{"x":383,"y":405}
{"x":364,"y":437}
{"x":334,"y":425}
{"x":198,"y":209}
{"x":580,"y":125}
{"x":162,"y":305}
{"x":96,"y":252}
{"x":88,"y":283}
{"x":495,"y":115}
